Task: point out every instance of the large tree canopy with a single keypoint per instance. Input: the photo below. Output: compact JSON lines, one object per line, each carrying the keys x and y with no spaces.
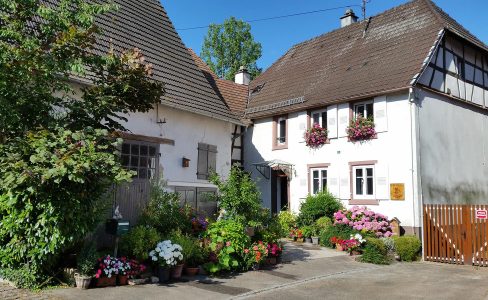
{"x":229,"y":46}
{"x":57,"y":151}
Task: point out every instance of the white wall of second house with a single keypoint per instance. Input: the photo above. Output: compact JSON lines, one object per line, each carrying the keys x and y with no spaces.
{"x":391,"y":149}
{"x":187,"y":130}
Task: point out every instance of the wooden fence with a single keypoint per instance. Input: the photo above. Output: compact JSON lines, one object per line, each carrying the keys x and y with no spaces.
{"x":456,"y":234}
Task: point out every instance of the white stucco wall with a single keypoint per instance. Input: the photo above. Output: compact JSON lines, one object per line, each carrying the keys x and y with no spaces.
{"x":392,"y":150}
{"x":187,"y":130}
{"x":453,"y":140}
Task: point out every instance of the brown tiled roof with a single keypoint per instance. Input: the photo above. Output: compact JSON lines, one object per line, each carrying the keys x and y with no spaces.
{"x":234,"y":94}
{"x":361,"y":60}
{"x":144,"y":24}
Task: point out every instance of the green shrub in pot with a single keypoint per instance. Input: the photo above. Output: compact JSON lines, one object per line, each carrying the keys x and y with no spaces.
{"x":139,"y":241}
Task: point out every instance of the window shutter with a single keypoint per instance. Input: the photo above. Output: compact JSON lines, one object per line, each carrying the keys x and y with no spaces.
{"x":212,"y":159}
{"x":343,"y":116}
{"x":380,"y":114}
{"x":332,"y":121}
{"x":345,"y":186}
{"x":382,"y":183}
{"x":333,"y":180}
{"x":202,"y":165}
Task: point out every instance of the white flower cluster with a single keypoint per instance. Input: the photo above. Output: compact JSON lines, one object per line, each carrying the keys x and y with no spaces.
{"x":167,"y":253}
{"x":358,"y":238}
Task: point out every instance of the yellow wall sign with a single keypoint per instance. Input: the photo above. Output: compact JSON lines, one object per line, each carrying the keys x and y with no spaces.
{"x":397,"y":191}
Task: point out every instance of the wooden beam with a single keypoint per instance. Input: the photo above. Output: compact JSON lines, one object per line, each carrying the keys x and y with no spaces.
{"x":145,"y":138}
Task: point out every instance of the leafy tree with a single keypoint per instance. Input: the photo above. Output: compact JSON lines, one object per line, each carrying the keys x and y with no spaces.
{"x":229,"y":46}
{"x":58,"y":155}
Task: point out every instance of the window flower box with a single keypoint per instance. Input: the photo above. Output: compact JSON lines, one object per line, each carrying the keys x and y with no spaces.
{"x":316,"y":136}
{"x":361,"y":129}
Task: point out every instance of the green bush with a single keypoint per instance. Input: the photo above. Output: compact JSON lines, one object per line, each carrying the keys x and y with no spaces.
{"x":307,"y":231}
{"x":239,"y":196}
{"x":87,"y":258}
{"x":163,"y":211}
{"x":227,"y":243}
{"x":270,"y":231}
{"x":323,"y":223}
{"x":340,"y":230}
{"x":193,"y":253}
{"x":389,"y":244}
{"x":139,"y":241}
{"x":22,"y":276}
{"x":317,"y":206}
{"x":375,"y":252}
{"x":287,"y":221}
{"x":407,"y":247}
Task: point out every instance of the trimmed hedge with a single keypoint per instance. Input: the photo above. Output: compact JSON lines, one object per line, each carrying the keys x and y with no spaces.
{"x":375,"y":252}
{"x":407,"y":247}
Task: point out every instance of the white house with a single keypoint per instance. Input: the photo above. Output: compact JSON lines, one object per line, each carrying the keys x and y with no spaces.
{"x":189,"y":133}
{"x":420,"y":75}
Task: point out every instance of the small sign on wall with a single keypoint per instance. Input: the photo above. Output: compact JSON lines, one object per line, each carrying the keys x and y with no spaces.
{"x":481,"y":214}
{"x":397,"y":191}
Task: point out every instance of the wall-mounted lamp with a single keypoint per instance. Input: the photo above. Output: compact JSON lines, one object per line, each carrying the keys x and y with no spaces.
{"x":185,"y":162}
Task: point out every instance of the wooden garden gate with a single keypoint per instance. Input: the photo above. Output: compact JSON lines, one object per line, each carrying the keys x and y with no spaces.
{"x":456,"y":234}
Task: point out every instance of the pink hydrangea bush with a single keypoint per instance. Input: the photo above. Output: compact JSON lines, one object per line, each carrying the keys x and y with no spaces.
{"x":361,"y":129}
{"x":364,"y":220}
{"x":316,"y":136}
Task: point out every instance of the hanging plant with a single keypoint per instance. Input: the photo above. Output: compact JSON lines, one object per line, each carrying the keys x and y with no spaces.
{"x":316,"y":136}
{"x":361,"y":129}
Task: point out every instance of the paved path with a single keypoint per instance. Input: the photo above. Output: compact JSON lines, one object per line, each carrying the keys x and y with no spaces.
{"x":313,"y":273}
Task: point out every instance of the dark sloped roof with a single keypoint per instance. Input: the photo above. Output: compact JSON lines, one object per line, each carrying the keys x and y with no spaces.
{"x":234,"y":94}
{"x":363,"y":59}
{"x":144,"y":24}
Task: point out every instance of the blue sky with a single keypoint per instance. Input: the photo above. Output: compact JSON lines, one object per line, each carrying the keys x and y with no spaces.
{"x":277,"y":36}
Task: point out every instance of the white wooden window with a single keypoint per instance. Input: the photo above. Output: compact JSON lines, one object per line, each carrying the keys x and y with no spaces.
{"x":319,"y":117}
{"x":281,"y":131}
{"x":364,"y":108}
{"x":318,"y":180}
{"x":364,"y":182}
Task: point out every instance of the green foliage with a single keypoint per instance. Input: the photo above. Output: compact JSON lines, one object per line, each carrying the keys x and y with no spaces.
{"x":317,"y":206}
{"x":340,"y":230}
{"x":52,"y":193}
{"x":139,"y":241}
{"x":307,"y":231}
{"x":287,"y":222}
{"x":227,"y":242}
{"x":229,"y":46}
{"x":85,"y":263}
{"x":23,"y":276}
{"x":193,"y":253}
{"x":375,"y":252}
{"x":56,"y":161}
{"x":389,"y":244}
{"x":323,"y":223}
{"x":407,"y":247}
{"x":163,"y":211}
{"x":270,"y":231}
{"x":239,"y":196}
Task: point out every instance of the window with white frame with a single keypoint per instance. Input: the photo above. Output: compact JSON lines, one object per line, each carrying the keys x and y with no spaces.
{"x":364,"y":108}
{"x":318,"y":180}
{"x":281,"y":131}
{"x":363,"y":184}
{"x":319,"y":117}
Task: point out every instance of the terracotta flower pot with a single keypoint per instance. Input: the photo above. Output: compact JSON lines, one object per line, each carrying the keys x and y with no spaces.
{"x":300,"y":240}
{"x":339,"y":247}
{"x":191,"y":271}
{"x":82,"y":282}
{"x":271,"y":260}
{"x":106,"y":281}
{"x":354,"y":252}
{"x":249,"y":231}
{"x":176,"y":271}
{"x":122,"y":279}
{"x":163,"y":274}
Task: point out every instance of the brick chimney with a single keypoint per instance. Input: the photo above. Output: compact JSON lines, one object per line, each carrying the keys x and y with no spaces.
{"x":348,"y":18}
{"x":242,"y":77}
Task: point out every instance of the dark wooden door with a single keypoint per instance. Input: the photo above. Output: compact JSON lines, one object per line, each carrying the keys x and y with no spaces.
{"x":454,"y":234}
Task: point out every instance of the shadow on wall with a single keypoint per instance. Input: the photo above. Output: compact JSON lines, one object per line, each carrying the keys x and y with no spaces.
{"x":463,"y":193}
{"x":252,"y":156}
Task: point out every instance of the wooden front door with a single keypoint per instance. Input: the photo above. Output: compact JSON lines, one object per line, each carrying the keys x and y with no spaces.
{"x":456,"y":234}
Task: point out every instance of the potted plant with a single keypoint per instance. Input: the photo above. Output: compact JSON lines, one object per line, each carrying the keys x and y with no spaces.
{"x":353,"y":245}
{"x":307,"y":233}
{"x":361,"y":129}
{"x":124,"y":267}
{"x":316,"y":136}
{"x":337,"y":242}
{"x":106,"y":271}
{"x":86,"y":266}
{"x":135,"y":272}
{"x":315,"y":235}
{"x":255,"y":255}
{"x":274,"y":252}
{"x":299,"y":235}
{"x":193,"y":253}
{"x":167,"y":255}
